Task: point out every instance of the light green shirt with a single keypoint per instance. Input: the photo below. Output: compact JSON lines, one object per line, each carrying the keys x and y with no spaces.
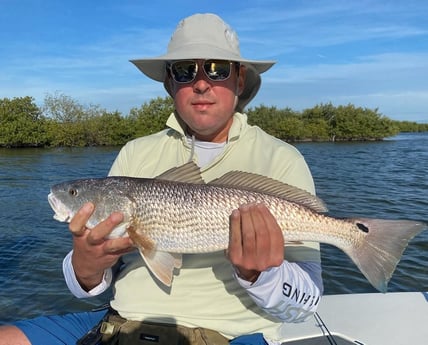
{"x":205,"y":293}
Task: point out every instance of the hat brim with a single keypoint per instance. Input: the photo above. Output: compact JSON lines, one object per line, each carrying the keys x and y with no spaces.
{"x":155,"y":68}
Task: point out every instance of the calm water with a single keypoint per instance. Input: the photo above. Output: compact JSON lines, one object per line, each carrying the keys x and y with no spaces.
{"x":383,"y":179}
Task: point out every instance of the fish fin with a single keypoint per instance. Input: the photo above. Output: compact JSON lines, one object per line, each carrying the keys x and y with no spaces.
{"x":161,"y":264}
{"x":188,"y":173}
{"x":382,"y":247}
{"x":267,"y":185}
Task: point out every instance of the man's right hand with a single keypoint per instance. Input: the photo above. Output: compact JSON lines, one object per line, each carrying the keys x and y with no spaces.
{"x":93,"y":252}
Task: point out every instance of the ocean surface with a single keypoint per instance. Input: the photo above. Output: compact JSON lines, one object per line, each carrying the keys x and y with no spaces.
{"x":387,"y":179}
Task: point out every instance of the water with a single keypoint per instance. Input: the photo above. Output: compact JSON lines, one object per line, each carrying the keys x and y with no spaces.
{"x":381,"y":179}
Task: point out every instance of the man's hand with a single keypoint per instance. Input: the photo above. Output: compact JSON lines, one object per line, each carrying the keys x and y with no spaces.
{"x":92,"y":252}
{"x":256,"y":241}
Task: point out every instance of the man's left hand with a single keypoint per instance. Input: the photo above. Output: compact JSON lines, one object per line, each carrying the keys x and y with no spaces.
{"x":256,"y":241}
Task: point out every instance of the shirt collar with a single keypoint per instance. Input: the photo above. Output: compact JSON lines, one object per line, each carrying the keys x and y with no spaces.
{"x":238,"y":125}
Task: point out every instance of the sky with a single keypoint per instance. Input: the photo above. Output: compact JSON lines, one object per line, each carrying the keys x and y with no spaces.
{"x":370,"y":53}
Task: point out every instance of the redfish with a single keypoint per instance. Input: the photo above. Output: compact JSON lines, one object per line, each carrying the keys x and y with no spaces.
{"x":177,"y":213}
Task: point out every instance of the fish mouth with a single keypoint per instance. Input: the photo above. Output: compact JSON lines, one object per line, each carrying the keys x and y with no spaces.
{"x":61,"y":213}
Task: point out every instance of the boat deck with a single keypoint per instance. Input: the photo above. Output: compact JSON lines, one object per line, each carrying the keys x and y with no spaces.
{"x":397,"y":318}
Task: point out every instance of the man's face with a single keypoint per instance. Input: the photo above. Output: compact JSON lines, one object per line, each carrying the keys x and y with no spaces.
{"x":207,"y":106}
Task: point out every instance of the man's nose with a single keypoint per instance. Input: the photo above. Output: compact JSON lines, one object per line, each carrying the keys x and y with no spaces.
{"x":201,"y":83}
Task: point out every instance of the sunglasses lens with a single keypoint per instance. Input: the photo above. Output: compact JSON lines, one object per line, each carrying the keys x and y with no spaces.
{"x":217,"y":69}
{"x":184,"y":71}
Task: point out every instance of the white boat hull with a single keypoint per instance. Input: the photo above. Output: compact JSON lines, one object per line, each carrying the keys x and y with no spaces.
{"x":397,"y":318}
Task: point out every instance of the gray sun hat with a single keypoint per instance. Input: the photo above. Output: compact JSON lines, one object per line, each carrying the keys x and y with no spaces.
{"x":205,"y":36}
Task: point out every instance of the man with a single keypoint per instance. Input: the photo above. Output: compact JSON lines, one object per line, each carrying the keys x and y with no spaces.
{"x":255,"y":286}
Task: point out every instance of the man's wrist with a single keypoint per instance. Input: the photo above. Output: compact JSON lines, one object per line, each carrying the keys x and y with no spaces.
{"x":247,"y":275}
{"x":75,"y":287}
{"x":88,"y":283}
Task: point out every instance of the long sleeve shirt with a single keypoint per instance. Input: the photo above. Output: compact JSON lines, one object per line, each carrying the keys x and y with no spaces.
{"x":207,"y":291}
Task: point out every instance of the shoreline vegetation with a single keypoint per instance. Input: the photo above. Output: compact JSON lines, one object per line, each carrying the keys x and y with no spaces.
{"x":63,"y":122}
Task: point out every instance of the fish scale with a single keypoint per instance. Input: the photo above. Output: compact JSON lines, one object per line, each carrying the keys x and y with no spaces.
{"x":204,"y":215}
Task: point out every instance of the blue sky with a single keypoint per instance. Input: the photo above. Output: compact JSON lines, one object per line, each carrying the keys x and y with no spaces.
{"x":371,"y":53}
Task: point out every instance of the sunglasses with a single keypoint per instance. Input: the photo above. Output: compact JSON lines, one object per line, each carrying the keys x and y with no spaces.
{"x":185,"y":71}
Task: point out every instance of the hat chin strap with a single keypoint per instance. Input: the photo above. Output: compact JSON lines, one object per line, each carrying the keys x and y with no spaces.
{"x":235,"y":103}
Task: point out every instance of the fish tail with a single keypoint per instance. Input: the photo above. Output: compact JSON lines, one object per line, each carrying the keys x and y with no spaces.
{"x":382,"y":247}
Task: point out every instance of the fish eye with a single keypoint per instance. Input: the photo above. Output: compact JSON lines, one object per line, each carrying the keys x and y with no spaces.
{"x":73,"y":191}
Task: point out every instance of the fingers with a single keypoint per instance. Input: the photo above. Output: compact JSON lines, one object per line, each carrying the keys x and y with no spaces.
{"x":93,"y":251}
{"x":119,"y":246}
{"x":235,"y":235}
{"x":256,"y":241}
{"x":271,"y":231}
{"x":242,"y":244}
{"x":78,"y":223}
{"x":98,"y":234}
{"x":251,"y":224}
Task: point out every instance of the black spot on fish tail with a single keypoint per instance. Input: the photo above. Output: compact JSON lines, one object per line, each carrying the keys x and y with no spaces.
{"x":362,"y":227}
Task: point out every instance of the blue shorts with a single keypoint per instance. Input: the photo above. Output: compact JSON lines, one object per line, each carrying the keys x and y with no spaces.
{"x":59,"y":329}
{"x":68,"y":328}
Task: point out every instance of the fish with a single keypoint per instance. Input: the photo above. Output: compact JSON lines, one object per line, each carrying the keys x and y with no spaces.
{"x":178,"y":213}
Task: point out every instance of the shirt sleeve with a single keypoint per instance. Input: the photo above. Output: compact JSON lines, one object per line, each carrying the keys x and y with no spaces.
{"x":290,"y":292}
{"x":74,"y":286}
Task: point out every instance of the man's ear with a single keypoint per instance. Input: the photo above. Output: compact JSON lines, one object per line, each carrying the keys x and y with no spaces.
{"x":169,"y":84}
{"x":241,"y":80}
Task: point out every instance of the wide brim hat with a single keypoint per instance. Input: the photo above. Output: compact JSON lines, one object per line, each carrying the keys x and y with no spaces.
{"x":205,"y":36}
